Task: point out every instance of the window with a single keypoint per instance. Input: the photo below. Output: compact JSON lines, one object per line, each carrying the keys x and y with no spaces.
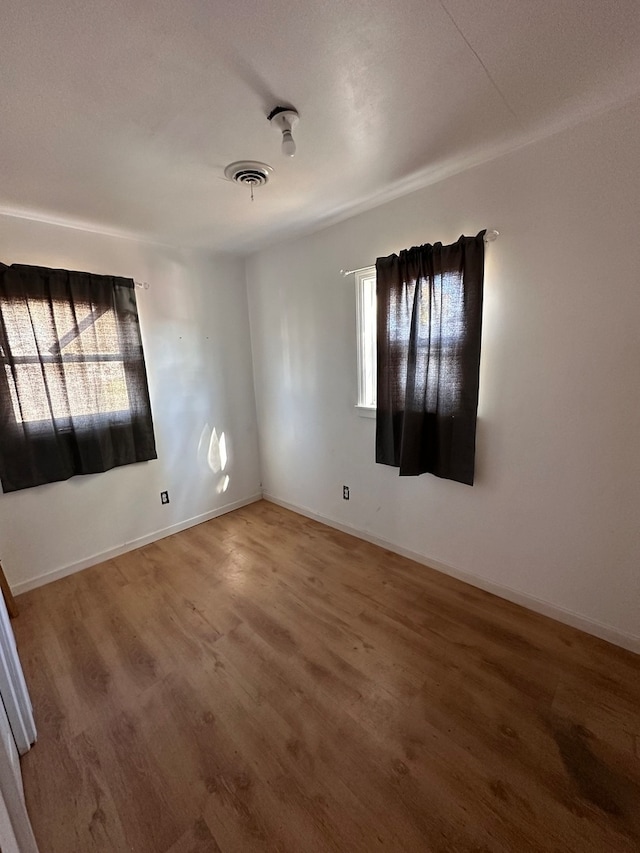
{"x":429,"y":302}
{"x":73,"y":386}
{"x":366,"y":313}
{"x":66,"y":361}
{"x":366,"y":336}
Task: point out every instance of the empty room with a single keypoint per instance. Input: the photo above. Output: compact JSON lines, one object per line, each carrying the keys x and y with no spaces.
{"x":319,"y":418}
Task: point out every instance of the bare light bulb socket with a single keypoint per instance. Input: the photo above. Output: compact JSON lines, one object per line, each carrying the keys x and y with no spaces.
{"x":285,"y":119}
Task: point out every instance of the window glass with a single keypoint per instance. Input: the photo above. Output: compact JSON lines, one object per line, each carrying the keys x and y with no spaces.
{"x":366,"y":333}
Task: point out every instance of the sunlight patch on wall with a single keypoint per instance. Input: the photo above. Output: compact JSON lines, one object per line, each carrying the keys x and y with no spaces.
{"x":217,"y":456}
{"x":212,"y":450}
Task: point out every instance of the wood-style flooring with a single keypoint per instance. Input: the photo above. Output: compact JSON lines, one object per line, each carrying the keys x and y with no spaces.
{"x":262,"y":682}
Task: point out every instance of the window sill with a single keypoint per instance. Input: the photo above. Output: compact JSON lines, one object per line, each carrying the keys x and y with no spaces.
{"x":366,"y":411}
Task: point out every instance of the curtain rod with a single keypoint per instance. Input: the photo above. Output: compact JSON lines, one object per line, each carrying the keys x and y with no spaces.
{"x":489,"y":237}
{"x":143,"y":284}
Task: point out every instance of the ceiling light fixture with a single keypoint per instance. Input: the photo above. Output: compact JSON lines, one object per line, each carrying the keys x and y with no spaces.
{"x":285,"y":119}
{"x":248,"y":173}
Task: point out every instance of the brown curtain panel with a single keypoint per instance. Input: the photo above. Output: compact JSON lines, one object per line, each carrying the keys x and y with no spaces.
{"x":429,"y":327}
{"x":73,"y":385}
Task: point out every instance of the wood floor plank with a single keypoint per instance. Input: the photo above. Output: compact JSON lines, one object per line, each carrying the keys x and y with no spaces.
{"x":337,"y":741}
{"x":86,"y":817}
{"x":262,"y":682}
{"x":197,"y":839}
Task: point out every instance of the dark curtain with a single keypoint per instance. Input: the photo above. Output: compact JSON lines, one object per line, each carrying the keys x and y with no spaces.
{"x":429,"y":326}
{"x":73,"y":385}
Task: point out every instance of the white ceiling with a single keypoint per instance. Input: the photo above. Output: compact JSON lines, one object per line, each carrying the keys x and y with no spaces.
{"x":120,"y":115}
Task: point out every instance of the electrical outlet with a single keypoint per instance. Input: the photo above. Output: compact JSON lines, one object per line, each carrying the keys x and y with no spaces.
{"x":345,"y":493}
{"x":164,"y":497}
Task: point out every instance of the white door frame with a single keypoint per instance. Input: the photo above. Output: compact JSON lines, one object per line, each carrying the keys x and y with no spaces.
{"x":13,"y":688}
{"x":16,"y":834}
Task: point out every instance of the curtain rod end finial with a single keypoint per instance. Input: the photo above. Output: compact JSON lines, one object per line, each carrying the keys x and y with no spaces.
{"x":491,"y":236}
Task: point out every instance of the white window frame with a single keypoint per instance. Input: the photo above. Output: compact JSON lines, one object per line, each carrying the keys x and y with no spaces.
{"x":366,"y":306}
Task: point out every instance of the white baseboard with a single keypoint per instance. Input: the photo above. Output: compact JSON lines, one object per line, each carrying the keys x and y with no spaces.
{"x":48,"y":577}
{"x":538,"y":605}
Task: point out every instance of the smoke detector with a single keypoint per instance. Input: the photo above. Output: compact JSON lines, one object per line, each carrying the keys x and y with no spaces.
{"x":285,"y":119}
{"x":248,"y":173}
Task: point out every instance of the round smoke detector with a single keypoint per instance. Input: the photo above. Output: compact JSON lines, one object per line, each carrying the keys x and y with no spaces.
{"x":248,"y":173}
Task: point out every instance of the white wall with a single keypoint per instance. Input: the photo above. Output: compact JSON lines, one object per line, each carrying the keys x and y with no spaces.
{"x":554,"y":514}
{"x":195,"y":335}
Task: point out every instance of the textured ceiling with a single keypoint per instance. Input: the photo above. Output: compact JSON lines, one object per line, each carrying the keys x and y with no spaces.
{"x":120,"y":115}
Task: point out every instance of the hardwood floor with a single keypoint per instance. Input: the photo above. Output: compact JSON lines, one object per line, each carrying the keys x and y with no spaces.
{"x":264,"y":683}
